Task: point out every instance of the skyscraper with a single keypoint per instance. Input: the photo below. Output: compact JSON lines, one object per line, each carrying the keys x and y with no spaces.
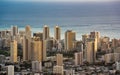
{"x":50,"y":43}
{"x":59,"y":58}
{"x":96,"y":35}
{"x":57,"y":33}
{"x":45,"y":37}
{"x":70,"y":37}
{"x":79,"y":58}
{"x":91,"y":50}
{"x":44,"y":50}
{"x":45,"y":32}
{"x":27,"y":44}
{"x":84,"y":38}
{"x":14,"y":30}
{"x":13,"y":51}
{"x":36,"y":49}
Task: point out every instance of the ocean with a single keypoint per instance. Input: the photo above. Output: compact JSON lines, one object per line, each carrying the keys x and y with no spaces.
{"x":81,"y":17}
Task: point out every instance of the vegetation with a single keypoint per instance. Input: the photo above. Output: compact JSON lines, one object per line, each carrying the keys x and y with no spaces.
{"x":3,"y":74}
{"x":69,"y":54}
{"x":5,"y":52}
{"x":26,"y":65}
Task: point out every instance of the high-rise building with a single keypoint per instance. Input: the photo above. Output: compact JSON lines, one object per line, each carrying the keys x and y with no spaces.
{"x":109,"y":57}
{"x":45,"y":32}
{"x":44,"y":50}
{"x":115,"y":43}
{"x":91,"y":50}
{"x":50,"y":43}
{"x":78,"y":45}
{"x":105,"y":46}
{"x":105,"y":39}
{"x":5,"y":33}
{"x":10,"y":70}
{"x":14,"y":30}
{"x":36,"y":49}
{"x":36,"y":66}
{"x":39,"y":34}
{"x":105,"y":43}
{"x":57,"y":33}
{"x":25,"y":48}
{"x":96,"y":35}
{"x":58,"y":70}
{"x":79,"y":58}
{"x":13,"y":51}
{"x":70,"y":37}
{"x":59,"y":59}
{"x":85,"y":37}
{"x":45,"y":37}
{"x":27,"y":44}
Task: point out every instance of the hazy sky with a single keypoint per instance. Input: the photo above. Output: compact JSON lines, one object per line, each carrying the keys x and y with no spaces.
{"x":67,"y":0}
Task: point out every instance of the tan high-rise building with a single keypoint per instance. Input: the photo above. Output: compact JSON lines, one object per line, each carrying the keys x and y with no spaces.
{"x":79,"y":58}
{"x":105,"y":43}
{"x":70,"y":37}
{"x":2,"y":34}
{"x":105,"y":39}
{"x":45,"y":37}
{"x":36,"y":49}
{"x":91,"y":50}
{"x":57,"y":33}
{"x":96,"y":35}
{"x":45,"y":32}
{"x":44,"y":50}
{"x":13,"y":51}
{"x":27,"y":44}
{"x":25,"y":48}
{"x":115,"y":43}
{"x":59,"y":59}
{"x":78,"y":45}
{"x":14,"y":30}
{"x":84,"y":38}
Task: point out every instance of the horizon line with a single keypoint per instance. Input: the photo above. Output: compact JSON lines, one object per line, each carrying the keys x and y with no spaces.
{"x":57,"y":1}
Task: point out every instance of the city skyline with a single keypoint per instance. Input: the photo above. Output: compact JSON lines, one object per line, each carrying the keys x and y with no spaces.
{"x":40,"y":52}
{"x":59,"y":37}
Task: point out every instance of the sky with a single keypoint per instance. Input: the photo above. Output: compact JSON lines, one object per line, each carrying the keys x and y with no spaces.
{"x":64,"y":0}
